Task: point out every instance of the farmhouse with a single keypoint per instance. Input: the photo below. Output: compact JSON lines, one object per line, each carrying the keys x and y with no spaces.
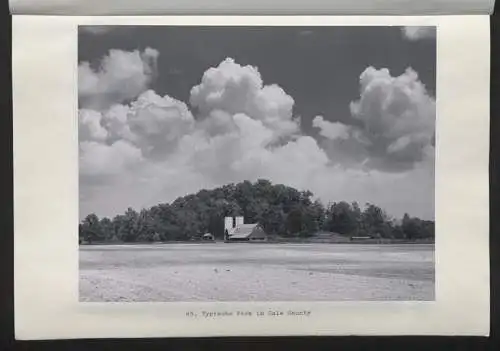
{"x":236,"y":230}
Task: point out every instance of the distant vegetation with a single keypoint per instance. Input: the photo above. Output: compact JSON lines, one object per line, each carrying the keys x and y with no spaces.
{"x":282,"y":211}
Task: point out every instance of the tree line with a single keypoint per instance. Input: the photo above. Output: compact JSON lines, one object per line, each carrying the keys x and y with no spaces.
{"x":281,"y":210}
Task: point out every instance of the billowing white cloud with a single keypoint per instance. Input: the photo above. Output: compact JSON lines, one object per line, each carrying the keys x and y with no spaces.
{"x":153,"y":150}
{"x":115,"y":120}
{"x":90,"y":127}
{"x":397,"y":118}
{"x":419,"y":32}
{"x":234,"y":89}
{"x":150,"y":128}
{"x":331,"y":130}
{"x":155,"y":123}
{"x":99,"y":159}
{"x":120,"y":76}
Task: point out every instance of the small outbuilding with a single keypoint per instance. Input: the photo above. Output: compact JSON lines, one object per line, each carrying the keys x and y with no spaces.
{"x":207,"y":237}
{"x":361,"y":238}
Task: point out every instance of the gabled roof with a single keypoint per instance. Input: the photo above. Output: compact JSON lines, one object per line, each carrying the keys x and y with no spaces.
{"x":242,"y":231}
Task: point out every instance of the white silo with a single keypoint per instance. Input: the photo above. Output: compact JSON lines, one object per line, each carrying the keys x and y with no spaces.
{"x":239,"y":220}
{"x":228,"y":224}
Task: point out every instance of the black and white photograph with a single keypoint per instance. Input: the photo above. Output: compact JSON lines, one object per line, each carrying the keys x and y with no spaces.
{"x":256,"y":163}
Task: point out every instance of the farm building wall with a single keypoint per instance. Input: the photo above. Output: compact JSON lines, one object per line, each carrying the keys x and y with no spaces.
{"x":255,"y":234}
{"x":258,"y":234}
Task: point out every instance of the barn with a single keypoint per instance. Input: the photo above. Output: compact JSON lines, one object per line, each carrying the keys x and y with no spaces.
{"x":237,"y":230}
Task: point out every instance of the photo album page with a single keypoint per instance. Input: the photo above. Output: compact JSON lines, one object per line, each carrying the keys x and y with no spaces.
{"x":186,"y":170}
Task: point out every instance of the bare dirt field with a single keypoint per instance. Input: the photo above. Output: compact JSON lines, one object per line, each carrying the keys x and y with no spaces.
{"x":256,"y":272}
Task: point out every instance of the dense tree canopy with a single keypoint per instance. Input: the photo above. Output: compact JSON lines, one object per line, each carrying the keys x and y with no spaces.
{"x":281,"y":210}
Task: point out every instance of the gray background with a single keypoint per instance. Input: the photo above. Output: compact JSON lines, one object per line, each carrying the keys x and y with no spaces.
{"x":245,"y":7}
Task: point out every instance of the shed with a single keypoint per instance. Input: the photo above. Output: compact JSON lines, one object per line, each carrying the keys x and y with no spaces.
{"x":360,"y":238}
{"x":207,"y":237}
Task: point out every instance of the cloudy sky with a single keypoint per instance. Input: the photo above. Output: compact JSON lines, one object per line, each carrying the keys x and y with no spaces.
{"x":346,"y":112}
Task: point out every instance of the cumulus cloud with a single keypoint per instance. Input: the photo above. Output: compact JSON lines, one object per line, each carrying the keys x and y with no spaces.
{"x":414,"y":33}
{"x":90,"y":127}
{"x":397,"y":118}
{"x":120,"y":76}
{"x":149,"y":127}
{"x":331,"y":130}
{"x":154,"y":149}
{"x":234,"y":89}
{"x":155,"y":123}
{"x":103,"y":160}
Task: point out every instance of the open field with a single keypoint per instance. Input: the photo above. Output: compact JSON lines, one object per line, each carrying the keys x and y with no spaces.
{"x":256,"y":272}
